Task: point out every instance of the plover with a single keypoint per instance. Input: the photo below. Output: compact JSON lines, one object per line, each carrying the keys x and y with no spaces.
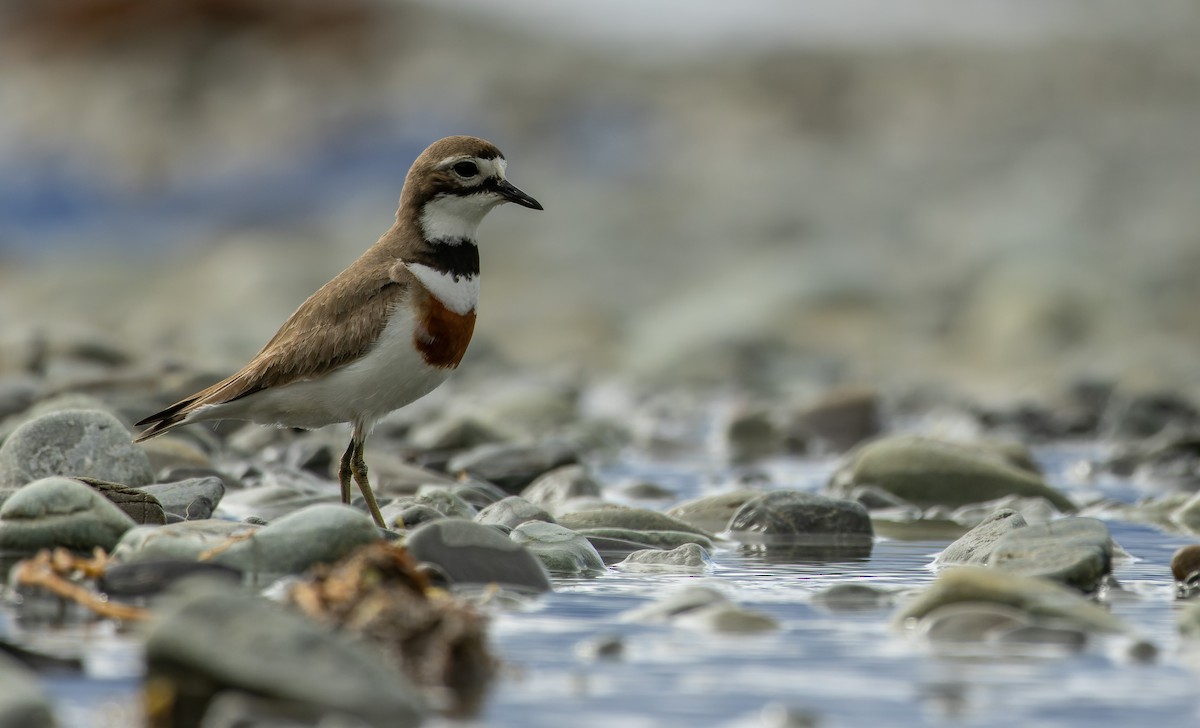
{"x":384,"y":332}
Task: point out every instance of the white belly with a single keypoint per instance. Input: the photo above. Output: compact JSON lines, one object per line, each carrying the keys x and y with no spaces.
{"x":390,"y":375}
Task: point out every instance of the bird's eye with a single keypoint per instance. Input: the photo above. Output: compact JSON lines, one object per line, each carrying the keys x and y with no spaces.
{"x":466,"y":169}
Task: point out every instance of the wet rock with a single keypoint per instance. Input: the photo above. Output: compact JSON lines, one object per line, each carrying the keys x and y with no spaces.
{"x":192,"y":499}
{"x":210,"y":638}
{"x":60,"y":512}
{"x":976,"y":545}
{"x":686,"y":559}
{"x":74,"y":443}
{"x":471,"y":553}
{"x":1148,"y":414}
{"x":512,"y":466}
{"x":440,"y":499}
{"x":183,"y":541}
{"x":478,"y":493}
{"x":405,"y":516}
{"x":1185,"y":568}
{"x":614,"y":550}
{"x":1170,"y":461}
{"x":272,"y":501}
{"x":555,"y":488}
{"x":512,"y":512}
{"x":634,"y":519}
{"x":853,"y":598}
{"x":931,"y":473}
{"x":1044,"y":635}
{"x":17,"y":394}
{"x":143,"y":508}
{"x":562,"y":551}
{"x":1074,"y":551}
{"x":147,"y":578}
{"x":651,"y":539}
{"x":837,"y":421}
{"x":23,"y":704}
{"x":970,"y":621}
{"x":170,"y":451}
{"x":712,"y":512}
{"x":313,"y":535}
{"x":702,"y":608}
{"x":1039,"y":598}
{"x":786,"y":515}
{"x":751,"y":434}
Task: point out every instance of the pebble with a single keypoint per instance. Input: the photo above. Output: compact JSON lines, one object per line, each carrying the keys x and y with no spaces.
{"x":686,"y":559}
{"x":976,"y":545}
{"x":183,"y":541}
{"x":439,"y":498}
{"x":272,"y":501}
{"x":837,"y":421}
{"x":751,"y":434}
{"x":614,"y":550}
{"x":407,"y":516}
{"x":562,"y":551}
{"x":1077,"y":552}
{"x":1039,"y":598}
{"x":650,"y":539}
{"x":192,"y":499}
{"x":648,"y":491}
{"x":970,"y":621}
{"x":853,"y":598}
{"x":471,"y":553}
{"x":171,"y":451}
{"x":146,"y":578}
{"x":556,"y":488}
{"x":142,"y":507}
{"x":933,"y":473}
{"x":512,"y":512}
{"x":60,"y":512}
{"x":703,"y":608}
{"x":90,"y":443}
{"x":792,"y":515}
{"x":512,"y":467}
{"x":316,"y":534}
{"x":455,"y":432}
{"x":634,"y":519}
{"x":23,"y":704}
{"x":209,"y":637}
{"x":712,"y":512}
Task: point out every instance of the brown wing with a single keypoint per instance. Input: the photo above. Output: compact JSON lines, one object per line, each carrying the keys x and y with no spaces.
{"x":334,"y":326}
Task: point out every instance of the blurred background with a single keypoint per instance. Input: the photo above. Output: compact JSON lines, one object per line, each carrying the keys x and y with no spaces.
{"x":997,"y":197}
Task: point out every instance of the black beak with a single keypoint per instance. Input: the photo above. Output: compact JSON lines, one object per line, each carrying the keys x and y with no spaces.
{"x":509,"y":192}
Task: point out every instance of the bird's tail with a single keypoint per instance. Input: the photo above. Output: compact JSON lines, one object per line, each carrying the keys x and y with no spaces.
{"x":165,"y":421}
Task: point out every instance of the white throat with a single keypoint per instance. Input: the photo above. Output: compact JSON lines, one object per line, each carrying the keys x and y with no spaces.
{"x":453,"y":217}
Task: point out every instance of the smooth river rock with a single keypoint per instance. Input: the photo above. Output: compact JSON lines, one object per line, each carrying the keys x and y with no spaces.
{"x":974,"y":546}
{"x":512,"y":512}
{"x":60,"y":512}
{"x":212,"y":638}
{"x":712,"y":512}
{"x":1074,"y":551}
{"x":471,"y":553}
{"x":562,"y":551}
{"x":90,"y":443}
{"x":183,"y":541}
{"x":192,"y":499}
{"x":511,"y":466}
{"x":784,"y":515}
{"x":686,"y":559}
{"x":932,"y":473}
{"x":634,"y":519}
{"x":1040,"y":598}
{"x":551,"y":490}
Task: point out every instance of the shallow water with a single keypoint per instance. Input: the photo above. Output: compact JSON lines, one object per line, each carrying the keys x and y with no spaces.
{"x":846,"y":668}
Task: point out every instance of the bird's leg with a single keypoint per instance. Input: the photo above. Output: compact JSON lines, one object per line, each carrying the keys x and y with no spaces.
{"x":344,"y":472}
{"x":358,"y":467}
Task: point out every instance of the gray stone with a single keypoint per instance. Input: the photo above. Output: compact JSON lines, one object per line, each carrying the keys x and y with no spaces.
{"x":512,"y":466}
{"x":648,"y":491}
{"x":17,"y":394}
{"x":1074,"y":551}
{"x":932,"y":473}
{"x":210,"y":638}
{"x":704,"y":608}
{"x":317,"y":534}
{"x":1037,"y":597}
{"x":512,"y":512}
{"x":73,"y":443}
{"x":455,"y":432}
{"x":712,"y":512}
{"x":551,"y":490}
{"x":23,"y":704}
{"x":562,"y":551}
{"x":143,"y":508}
{"x":60,"y":512}
{"x":651,"y":539}
{"x":974,"y":546}
{"x":270,"y":502}
{"x":786,"y":515}
{"x":751,"y":434}
{"x":185,"y":541}
{"x":635,"y":519}
{"x":853,"y":598}
{"x":970,"y":621}
{"x":686,"y":559}
{"x":407,"y":516}
{"x":440,"y":499}
{"x":146,"y":578}
{"x":675,"y":603}
{"x":471,"y":553}
{"x":837,"y":421}
{"x":192,"y":499}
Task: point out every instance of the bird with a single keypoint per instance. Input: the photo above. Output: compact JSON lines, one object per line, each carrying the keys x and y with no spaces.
{"x":385,"y":331}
